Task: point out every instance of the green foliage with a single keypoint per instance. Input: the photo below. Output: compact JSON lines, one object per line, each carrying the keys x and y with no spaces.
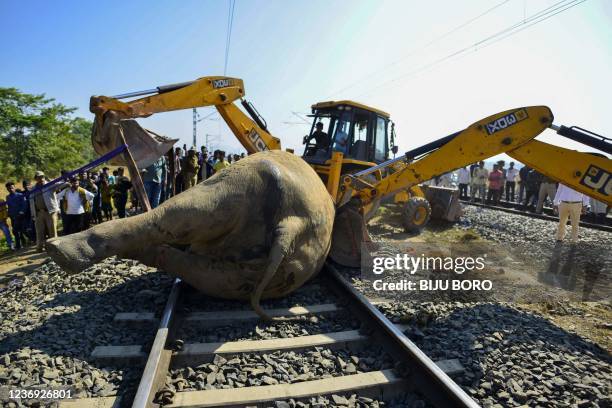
{"x":37,"y":133}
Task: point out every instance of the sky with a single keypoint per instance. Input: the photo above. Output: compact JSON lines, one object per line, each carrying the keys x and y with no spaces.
{"x":423,"y":62}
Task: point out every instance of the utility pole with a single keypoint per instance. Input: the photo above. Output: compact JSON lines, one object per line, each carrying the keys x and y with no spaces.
{"x":195,"y":126}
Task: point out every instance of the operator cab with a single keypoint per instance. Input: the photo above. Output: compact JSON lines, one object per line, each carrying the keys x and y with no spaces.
{"x":361,"y":133}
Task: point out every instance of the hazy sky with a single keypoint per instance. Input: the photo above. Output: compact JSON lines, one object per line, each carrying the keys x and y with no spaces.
{"x":292,"y":54}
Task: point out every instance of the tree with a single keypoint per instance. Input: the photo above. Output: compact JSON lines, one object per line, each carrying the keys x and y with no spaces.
{"x":37,"y":133}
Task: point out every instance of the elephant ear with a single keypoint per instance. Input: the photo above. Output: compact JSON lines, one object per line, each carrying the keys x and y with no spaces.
{"x":350,"y":232}
{"x":145,"y":146}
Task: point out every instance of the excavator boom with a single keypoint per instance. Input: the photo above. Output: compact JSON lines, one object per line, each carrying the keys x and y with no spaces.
{"x":113,"y":116}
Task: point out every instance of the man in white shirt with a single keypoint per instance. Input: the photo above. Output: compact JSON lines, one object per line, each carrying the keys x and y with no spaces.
{"x":463,"y":180}
{"x":75,"y":201}
{"x":569,"y":203}
{"x":511,"y":176}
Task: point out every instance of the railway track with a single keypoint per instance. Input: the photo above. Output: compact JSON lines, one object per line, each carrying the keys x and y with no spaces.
{"x":547,"y":214}
{"x":328,"y":341}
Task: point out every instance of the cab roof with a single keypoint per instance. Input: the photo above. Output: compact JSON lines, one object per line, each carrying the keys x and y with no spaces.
{"x":333,"y":104}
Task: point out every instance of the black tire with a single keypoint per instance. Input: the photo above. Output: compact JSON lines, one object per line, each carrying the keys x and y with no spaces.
{"x":416,"y":214}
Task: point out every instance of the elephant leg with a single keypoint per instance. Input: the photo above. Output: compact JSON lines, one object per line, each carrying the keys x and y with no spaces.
{"x":212,"y":277}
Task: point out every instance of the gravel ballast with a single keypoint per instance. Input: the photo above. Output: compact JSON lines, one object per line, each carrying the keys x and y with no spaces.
{"x":51,"y":321}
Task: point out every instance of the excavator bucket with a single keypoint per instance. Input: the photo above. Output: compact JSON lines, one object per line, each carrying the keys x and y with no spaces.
{"x":350,"y":231}
{"x":444,"y":202}
{"x":145,"y":146}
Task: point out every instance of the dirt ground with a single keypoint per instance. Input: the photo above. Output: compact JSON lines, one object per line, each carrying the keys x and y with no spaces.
{"x":590,"y":320}
{"x":14,"y":265}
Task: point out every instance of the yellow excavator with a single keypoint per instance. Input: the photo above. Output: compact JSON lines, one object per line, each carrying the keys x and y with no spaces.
{"x":350,"y":145}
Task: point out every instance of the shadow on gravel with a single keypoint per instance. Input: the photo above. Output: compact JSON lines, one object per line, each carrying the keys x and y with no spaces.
{"x":80,"y":322}
{"x":495,"y":340}
{"x":571,"y":268}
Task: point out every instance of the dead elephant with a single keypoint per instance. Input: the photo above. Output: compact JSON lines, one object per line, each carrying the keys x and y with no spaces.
{"x":258,"y":229}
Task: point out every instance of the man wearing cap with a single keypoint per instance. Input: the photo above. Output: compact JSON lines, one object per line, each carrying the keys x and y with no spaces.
{"x":44,"y":209}
{"x":76,"y":202}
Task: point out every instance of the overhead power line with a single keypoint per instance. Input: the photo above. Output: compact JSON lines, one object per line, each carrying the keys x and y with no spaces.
{"x":532,"y":20}
{"x":228,"y":38}
{"x":416,"y":50}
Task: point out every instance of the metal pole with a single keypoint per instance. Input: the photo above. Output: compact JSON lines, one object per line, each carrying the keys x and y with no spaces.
{"x":195,"y":126}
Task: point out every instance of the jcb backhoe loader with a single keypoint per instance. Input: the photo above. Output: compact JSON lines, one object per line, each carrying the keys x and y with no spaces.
{"x":353,"y":146}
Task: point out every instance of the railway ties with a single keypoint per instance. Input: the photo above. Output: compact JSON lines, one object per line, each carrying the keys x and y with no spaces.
{"x":366,"y":355}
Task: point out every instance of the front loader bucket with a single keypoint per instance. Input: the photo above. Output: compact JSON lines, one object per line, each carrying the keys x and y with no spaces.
{"x":350,"y":231}
{"x":145,"y":146}
{"x":444,"y":202}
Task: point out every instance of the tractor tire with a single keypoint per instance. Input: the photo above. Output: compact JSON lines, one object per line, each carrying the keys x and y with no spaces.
{"x":415,"y":214}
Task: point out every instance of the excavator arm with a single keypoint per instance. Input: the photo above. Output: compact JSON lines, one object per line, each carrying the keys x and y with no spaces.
{"x":220,"y":92}
{"x":510,"y":132}
{"x":499,"y":133}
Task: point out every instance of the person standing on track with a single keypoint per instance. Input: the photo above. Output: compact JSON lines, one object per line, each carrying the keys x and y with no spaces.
{"x":548,"y":188}
{"x":523,"y":173}
{"x":463,"y":180}
{"x":511,"y":176}
{"x":569,"y":203}
{"x":496,"y":182}
{"x":479,"y":182}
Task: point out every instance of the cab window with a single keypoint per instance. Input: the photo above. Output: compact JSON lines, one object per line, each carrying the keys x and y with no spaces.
{"x":381,"y":139}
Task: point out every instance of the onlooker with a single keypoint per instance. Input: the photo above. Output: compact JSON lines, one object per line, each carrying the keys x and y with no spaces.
{"x":202,"y":156}
{"x":532,"y":186}
{"x":511,"y":176}
{"x":106,"y":193}
{"x":16,"y":210}
{"x":153,"y":178}
{"x":496,"y":180}
{"x":112,"y":180}
{"x":548,"y":187}
{"x":464,"y":180}
{"x":96,"y":211}
{"x":190,"y":169}
{"x":479,"y":181}
{"x":4,"y":226}
{"x":599,"y":210}
{"x":44,"y":208}
{"x":110,"y":177}
{"x":76,"y":202}
{"x":221,"y":162}
{"x":86,"y":183}
{"x":120,"y":192}
{"x":178,"y":170}
{"x":28,"y":222}
{"x":523,"y":172}
{"x":569,"y":203}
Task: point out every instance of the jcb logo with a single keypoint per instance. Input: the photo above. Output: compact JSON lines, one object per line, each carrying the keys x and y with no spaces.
{"x":260,"y":145}
{"x":506,"y":121}
{"x":221,"y":83}
{"x":598,"y":179}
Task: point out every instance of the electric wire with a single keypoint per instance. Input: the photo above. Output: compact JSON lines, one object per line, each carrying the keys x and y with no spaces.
{"x":416,"y":50}
{"x":537,"y":18}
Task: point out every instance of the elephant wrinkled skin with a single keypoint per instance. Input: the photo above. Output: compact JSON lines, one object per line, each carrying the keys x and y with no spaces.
{"x":258,"y":229}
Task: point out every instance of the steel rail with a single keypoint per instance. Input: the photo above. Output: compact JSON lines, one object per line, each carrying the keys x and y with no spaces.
{"x":438,"y":388}
{"x":157,"y":365}
{"x":510,"y":210}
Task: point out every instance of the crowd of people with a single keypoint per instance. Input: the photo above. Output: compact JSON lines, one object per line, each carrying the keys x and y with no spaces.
{"x":31,"y":214}
{"x":525,"y":186}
